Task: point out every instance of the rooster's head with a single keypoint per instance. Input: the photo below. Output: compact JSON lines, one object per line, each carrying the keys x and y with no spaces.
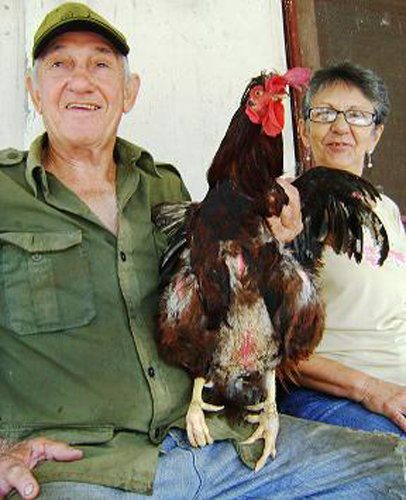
{"x":262,"y":98}
{"x":251,"y":152}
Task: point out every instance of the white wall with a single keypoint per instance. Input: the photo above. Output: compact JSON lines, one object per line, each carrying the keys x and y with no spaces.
{"x":13,"y":99}
{"x":194,"y":57}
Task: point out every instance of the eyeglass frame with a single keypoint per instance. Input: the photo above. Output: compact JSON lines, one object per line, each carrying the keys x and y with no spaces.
{"x":374,"y":116}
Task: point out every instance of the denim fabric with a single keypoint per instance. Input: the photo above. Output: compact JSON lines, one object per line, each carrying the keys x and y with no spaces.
{"x":313,"y":461}
{"x":313,"y":405}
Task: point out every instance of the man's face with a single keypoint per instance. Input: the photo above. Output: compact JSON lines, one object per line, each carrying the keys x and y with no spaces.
{"x":82,"y":90}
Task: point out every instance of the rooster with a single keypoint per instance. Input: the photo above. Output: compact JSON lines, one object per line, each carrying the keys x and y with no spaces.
{"x":236,"y":304}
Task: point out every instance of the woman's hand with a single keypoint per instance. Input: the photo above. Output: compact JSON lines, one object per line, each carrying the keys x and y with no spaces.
{"x":16,"y":463}
{"x":385,"y":398}
{"x":289,"y":224}
{"x":332,"y":377}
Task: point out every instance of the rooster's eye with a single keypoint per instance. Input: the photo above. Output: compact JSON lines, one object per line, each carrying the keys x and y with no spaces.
{"x":258,"y":93}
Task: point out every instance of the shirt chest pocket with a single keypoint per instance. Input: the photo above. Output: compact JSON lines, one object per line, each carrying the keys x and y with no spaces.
{"x":46,"y":283}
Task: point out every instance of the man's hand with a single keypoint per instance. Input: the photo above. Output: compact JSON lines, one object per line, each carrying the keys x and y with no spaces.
{"x":387,"y":399}
{"x":289,"y":224}
{"x":16,"y":463}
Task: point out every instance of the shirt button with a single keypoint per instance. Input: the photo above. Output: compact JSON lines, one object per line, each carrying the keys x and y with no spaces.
{"x":36,"y":257}
{"x":123,"y":256}
{"x":151,"y":371}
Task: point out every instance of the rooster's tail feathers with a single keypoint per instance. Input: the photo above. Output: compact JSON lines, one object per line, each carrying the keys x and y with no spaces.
{"x":336,"y":205}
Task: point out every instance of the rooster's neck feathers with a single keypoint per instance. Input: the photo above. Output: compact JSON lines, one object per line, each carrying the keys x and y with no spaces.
{"x":247,"y":157}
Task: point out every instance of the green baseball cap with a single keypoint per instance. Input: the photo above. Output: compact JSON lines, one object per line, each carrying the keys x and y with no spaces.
{"x":74,"y":16}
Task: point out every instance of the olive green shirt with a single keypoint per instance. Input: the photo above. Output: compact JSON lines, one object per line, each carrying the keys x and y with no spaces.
{"x":78,"y":358}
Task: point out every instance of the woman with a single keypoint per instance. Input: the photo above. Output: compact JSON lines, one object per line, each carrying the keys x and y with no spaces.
{"x":357,"y":377}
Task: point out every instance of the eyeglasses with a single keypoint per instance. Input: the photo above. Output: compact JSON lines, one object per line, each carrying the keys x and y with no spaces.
{"x":352,"y":116}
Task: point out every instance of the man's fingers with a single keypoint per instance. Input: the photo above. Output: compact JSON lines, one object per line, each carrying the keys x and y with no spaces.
{"x":26,"y":485}
{"x":14,"y":474}
{"x":18,"y":460}
{"x":59,"y":451}
{"x":35,"y":450}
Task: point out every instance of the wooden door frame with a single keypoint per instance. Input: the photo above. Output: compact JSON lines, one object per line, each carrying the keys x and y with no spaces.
{"x":300,"y":52}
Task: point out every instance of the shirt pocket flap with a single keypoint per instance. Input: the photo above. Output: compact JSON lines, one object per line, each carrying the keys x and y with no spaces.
{"x":45,"y":281}
{"x":72,"y":434}
{"x":43,"y":242}
{"x":81,"y":435}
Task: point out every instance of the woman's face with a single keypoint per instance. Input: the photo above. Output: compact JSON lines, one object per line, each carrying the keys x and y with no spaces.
{"x":338,"y":144}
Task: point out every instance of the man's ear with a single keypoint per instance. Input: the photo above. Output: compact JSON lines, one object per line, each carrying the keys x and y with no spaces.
{"x":304,"y":133}
{"x":33,"y":91}
{"x":131,"y":88}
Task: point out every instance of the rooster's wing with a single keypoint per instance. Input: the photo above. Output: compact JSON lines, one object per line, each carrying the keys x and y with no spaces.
{"x":173,"y":220}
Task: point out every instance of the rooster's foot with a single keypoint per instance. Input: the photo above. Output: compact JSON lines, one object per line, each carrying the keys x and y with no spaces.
{"x":268,"y":423}
{"x":196,"y":427}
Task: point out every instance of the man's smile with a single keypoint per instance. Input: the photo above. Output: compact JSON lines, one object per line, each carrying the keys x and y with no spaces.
{"x":83,"y":106}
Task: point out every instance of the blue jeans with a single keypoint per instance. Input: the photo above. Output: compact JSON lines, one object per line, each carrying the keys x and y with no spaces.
{"x":313,"y":461}
{"x":314,"y":405}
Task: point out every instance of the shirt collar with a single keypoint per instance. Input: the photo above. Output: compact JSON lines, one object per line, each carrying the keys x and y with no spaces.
{"x":129,"y":154}
{"x":35,"y":172}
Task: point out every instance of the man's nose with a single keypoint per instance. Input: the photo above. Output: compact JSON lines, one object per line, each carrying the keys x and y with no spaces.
{"x":80,"y":80}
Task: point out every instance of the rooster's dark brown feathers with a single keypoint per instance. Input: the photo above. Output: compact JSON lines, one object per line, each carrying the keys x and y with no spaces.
{"x":236,"y":303}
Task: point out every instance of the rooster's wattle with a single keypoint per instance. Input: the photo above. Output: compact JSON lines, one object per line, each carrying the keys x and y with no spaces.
{"x":236,"y":304}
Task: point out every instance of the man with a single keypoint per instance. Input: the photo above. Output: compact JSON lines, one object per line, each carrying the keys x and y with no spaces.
{"x":79,"y":273}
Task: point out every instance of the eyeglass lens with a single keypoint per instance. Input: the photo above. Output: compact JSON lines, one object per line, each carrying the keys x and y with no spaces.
{"x":352,"y":116}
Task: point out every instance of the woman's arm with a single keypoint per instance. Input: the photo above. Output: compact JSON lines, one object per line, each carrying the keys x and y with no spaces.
{"x":334,"y":378}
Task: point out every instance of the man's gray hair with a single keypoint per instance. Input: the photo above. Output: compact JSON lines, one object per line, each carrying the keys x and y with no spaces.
{"x":365,"y":79}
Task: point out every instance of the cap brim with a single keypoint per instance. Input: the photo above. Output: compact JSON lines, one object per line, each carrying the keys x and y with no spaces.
{"x":81,"y":25}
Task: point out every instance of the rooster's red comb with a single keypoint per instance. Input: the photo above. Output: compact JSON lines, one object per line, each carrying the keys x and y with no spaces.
{"x":264,"y":104}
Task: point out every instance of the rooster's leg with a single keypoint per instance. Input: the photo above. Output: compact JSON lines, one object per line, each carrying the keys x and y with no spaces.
{"x":268,"y":421}
{"x":196,"y":427}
